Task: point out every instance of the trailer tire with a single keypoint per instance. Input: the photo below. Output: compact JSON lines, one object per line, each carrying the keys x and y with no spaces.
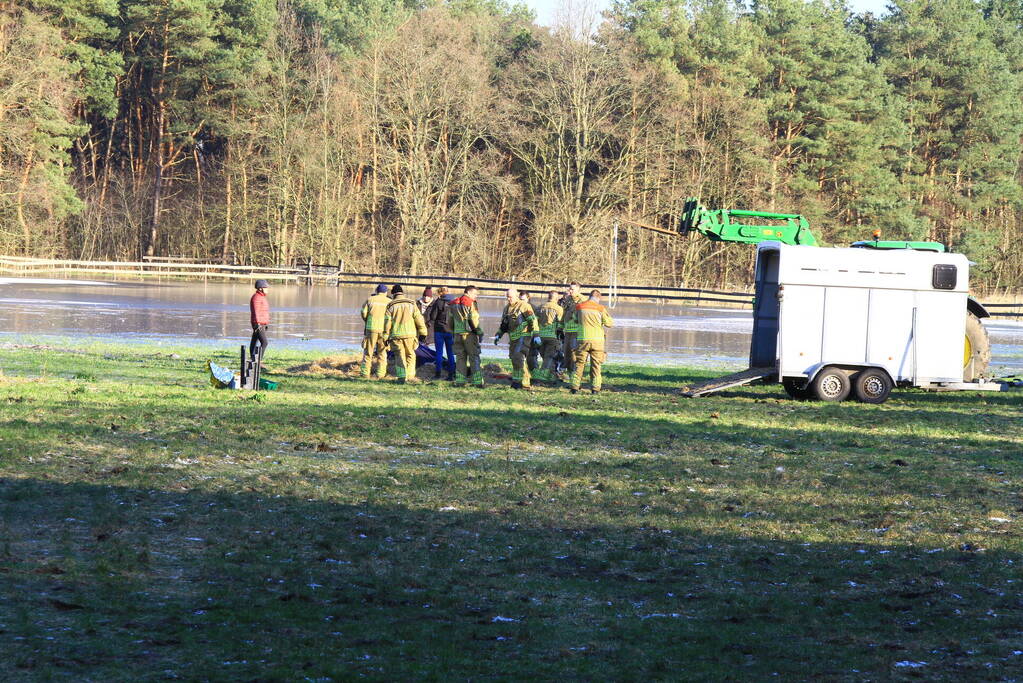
{"x":872,"y":386}
{"x":831,"y":384}
{"x":976,"y":349}
{"x":797,"y":388}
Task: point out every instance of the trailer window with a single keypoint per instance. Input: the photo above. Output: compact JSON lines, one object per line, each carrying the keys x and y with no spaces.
{"x":944,"y":276}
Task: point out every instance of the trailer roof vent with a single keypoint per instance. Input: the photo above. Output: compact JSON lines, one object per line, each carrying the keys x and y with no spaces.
{"x":944,"y":276}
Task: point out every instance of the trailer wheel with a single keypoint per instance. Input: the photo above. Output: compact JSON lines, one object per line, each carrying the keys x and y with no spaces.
{"x":797,"y":388}
{"x":976,"y":349}
{"x":872,"y":386}
{"x":831,"y":384}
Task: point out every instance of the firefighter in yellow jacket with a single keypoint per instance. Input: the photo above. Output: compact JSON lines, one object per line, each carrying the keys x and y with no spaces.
{"x":569,"y":327}
{"x":520,"y":323}
{"x":374,"y":344}
{"x":464,"y":318}
{"x":549,"y":317}
{"x":404,"y":327}
{"x":591,"y":318}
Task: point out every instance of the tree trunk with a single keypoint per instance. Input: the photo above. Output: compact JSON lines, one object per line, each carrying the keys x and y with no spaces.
{"x":161,"y":118}
{"x":19,"y":203}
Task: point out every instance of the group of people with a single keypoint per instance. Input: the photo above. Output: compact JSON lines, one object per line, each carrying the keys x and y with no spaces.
{"x":547,"y":342}
{"x":566,"y":325}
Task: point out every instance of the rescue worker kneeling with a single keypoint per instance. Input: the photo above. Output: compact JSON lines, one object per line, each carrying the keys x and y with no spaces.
{"x":464,"y":320}
{"x":520,"y":323}
{"x":591,"y":318}
{"x":403,"y":328}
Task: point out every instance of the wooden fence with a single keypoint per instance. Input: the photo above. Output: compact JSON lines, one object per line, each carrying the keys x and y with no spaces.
{"x":308,"y":273}
{"x":168,"y":267}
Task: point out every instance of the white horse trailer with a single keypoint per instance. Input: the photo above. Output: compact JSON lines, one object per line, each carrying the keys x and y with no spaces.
{"x":828,"y":322}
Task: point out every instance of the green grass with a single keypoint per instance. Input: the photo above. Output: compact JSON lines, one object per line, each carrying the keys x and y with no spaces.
{"x":152,"y":527}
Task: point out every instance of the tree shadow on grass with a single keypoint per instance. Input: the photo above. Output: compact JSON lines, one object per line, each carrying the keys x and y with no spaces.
{"x":115,"y":582}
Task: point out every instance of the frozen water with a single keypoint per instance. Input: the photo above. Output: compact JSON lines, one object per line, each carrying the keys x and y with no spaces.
{"x":327,"y":319}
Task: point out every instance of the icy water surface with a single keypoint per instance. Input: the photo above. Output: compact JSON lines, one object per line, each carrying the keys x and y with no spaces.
{"x":327,"y":319}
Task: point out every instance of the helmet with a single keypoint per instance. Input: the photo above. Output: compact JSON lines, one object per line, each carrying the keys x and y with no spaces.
{"x":262,"y":284}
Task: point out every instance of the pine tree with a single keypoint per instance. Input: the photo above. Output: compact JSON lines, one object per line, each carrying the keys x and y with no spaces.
{"x":828,"y":113}
{"x":963,"y":109}
{"x":36,"y":129}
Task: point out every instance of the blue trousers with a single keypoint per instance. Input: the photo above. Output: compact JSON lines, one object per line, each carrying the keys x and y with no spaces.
{"x":440,"y":341}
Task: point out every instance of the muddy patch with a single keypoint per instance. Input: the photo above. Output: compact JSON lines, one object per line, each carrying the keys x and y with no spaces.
{"x":329,"y":366}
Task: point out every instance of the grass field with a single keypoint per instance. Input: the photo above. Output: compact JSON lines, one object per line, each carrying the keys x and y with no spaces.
{"x":154,"y":528}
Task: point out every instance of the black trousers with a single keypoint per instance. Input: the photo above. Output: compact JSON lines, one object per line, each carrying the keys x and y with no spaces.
{"x":258,"y":335}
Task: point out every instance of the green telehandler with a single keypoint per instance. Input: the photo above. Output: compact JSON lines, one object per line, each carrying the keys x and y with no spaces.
{"x":734,"y":225}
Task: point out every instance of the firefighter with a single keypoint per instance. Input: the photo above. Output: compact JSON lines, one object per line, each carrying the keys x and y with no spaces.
{"x":259,"y":316}
{"x":374,"y":344}
{"x":533,"y":350}
{"x":591,"y":318}
{"x":404,"y":328}
{"x":464,"y":321}
{"x":549,"y":318}
{"x":520,"y":324}
{"x":569,"y":327}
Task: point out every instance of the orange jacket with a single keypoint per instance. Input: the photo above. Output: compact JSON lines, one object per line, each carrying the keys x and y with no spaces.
{"x":592,"y":318}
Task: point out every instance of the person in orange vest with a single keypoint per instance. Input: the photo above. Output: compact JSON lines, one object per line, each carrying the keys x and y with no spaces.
{"x":569,"y":327}
{"x":374,"y":345}
{"x":520,"y":323}
{"x":464,"y":321}
{"x":591,"y":318}
{"x":259,"y":316}
{"x":404,"y":328}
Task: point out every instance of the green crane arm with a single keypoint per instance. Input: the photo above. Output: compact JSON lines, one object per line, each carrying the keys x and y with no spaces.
{"x":730,"y":225}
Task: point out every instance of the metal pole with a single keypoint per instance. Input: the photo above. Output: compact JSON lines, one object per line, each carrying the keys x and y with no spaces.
{"x":612,"y":279}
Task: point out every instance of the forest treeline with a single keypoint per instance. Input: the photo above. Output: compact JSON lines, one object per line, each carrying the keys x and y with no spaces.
{"x":461,"y":137}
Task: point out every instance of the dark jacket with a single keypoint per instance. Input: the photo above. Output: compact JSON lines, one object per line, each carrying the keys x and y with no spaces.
{"x":437,"y":319}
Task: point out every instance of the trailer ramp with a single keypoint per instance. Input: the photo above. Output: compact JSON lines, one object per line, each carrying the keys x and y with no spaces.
{"x":736,"y":379}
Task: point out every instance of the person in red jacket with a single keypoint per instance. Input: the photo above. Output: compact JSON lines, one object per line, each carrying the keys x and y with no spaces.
{"x":259,"y":315}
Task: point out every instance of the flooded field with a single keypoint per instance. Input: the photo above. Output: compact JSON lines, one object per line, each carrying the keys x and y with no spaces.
{"x":327,"y":319}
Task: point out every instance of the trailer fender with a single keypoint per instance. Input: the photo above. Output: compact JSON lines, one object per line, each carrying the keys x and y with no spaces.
{"x":850,"y":369}
{"x":976,"y":308}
